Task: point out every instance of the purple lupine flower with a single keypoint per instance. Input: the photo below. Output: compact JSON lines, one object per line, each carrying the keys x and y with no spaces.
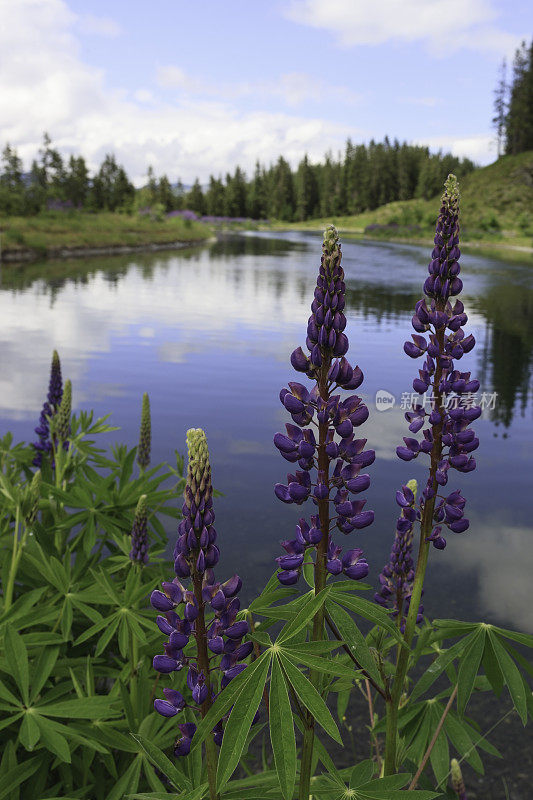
{"x":193,"y":641}
{"x":396,"y":578}
{"x":50,"y":409}
{"x":336,"y":419}
{"x":139,"y":533}
{"x":448,"y":439}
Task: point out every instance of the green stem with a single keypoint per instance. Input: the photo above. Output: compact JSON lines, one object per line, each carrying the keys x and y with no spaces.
{"x":203,"y":666}
{"x":15,"y":558}
{"x":320,"y":583}
{"x":426,"y":526}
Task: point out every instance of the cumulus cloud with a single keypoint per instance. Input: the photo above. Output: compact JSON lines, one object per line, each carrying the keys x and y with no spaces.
{"x":443,"y":25}
{"x":481,"y":149}
{"x":46,"y":86}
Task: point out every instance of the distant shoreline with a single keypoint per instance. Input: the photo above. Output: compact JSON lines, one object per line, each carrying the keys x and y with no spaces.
{"x":25,"y":255}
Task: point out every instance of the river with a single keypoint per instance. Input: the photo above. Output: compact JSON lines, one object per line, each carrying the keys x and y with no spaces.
{"x":208,"y":333}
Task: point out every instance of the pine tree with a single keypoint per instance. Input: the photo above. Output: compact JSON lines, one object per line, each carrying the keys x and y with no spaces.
{"x":500,"y":108}
{"x":519,"y":119}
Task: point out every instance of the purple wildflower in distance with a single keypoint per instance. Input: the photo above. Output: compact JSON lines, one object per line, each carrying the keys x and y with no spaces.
{"x":194,"y":641}
{"x":396,"y":578}
{"x":448,"y":440}
{"x":335,"y":420}
{"x":50,"y":409}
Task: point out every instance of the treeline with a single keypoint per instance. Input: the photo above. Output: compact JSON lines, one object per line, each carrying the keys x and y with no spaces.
{"x":363,"y":178}
{"x":513,"y":104}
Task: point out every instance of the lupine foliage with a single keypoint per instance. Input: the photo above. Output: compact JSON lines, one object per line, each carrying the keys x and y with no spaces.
{"x":239,"y":703}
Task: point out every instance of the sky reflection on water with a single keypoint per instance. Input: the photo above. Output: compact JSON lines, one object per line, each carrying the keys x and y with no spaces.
{"x":208,"y":333}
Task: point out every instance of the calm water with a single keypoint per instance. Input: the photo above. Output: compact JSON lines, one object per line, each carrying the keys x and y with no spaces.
{"x":208,"y":334}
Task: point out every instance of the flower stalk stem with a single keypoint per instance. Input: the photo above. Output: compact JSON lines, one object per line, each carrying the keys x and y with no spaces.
{"x":426,"y":526}
{"x":203,"y":666}
{"x":320,"y":583}
{"x":15,"y":558}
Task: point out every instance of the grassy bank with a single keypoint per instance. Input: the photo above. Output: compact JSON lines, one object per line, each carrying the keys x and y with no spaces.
{"x":496,"y":203}
{"x":51,"y":232}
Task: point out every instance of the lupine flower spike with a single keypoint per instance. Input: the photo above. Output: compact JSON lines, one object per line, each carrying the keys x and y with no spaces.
{"x":139,"y":533}
{"x":336,"y":420}
{"x":145,"y":435}
{"x":50,"y":409}
{"x":457,"y":780}
{"x":397,"y":576}
{"x":62,"y":422}
{"x":448,"y":439}
{"x":191,"y":636}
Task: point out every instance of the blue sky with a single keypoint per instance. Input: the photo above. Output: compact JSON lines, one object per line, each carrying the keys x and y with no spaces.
{"x":196,"y":88}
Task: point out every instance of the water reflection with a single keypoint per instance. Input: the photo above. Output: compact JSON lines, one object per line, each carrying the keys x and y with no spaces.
{"x":208,"y":331}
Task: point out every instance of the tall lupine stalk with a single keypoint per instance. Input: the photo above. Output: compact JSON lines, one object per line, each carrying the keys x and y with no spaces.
{"x":145,"y":435}
{"x":447,"y":439}
{"x":194,"y":556}
{"x":328,"y":367}
{"x":49,"y":410}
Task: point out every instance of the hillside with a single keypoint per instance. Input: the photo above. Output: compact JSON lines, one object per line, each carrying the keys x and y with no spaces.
{"x":496,"y":208}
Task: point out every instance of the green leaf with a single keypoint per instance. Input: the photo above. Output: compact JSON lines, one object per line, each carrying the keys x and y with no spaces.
{"x":513,"y":679}
{"x":42,"y":670}
{"x":160,"y":760}
{"x":361,"y":773}
{"x":98,"y":707}
{"x":225,"y":700}
{"x":282,"y":731}
{"x":52,"y":739}
{"x":29,"y":731}
{"x":330,"y":667}
{"x":440,"y":755}
{"x":239,"y":723}
{"x":17,"y":661}
{"x":15,"y":776}
{"x":304,"y":616}
{"x":372,"y":612}
{"x":492,"y":667}
{"x":128,"y":782}
{"x":460,"y":738}
{"x":468,"y":668}
{"x":310,"y":698}
{"x":438,"y":666}
{"x":355,"y":641}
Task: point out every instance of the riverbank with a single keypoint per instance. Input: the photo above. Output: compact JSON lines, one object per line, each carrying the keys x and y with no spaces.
{"x":76,"y":234}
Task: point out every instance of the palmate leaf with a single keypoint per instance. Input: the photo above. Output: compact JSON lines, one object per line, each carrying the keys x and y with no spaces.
{"x":17,"y":775}
{"x":227,"y":698}
{"x":282,"y":731}
{"x":468,"y":668}
{"x":178,"y":780}
{"x":432,"y":672}
{"x":355,"y":640}
{"x":310,"y":698}
{"x":239,"y":723}
{"x":440,"y":754}
{"x":370,"y":611}
{"x":513,"y":679}
{"x":17,"y":661}
{"x":52,"y":739}
{"x":305,"y":615}
{"x":459,"y":736}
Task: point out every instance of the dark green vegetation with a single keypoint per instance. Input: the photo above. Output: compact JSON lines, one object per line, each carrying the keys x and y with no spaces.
{"x":496,"y":203}
{"x":513,"y":104}
{"x":51,"y":232}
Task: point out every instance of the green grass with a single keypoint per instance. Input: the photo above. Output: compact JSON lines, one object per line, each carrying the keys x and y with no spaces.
{"x":49,"y":231}
{"x":496,"y":203}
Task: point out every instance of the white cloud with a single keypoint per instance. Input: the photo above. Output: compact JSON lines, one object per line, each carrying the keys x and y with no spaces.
{"x":99,"y":26}
{"x":293,"y":88}
{"x":442,"y":25}
{"x":481,"y":148}
{"x":45,"y":86}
